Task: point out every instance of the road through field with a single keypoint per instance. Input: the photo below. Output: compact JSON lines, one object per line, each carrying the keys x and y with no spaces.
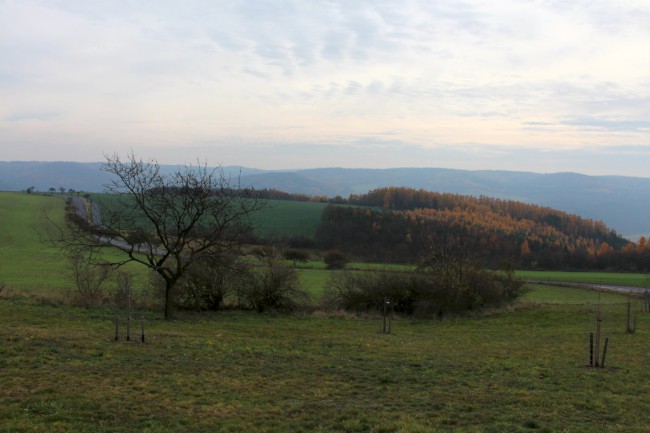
{"x":603,"y":287}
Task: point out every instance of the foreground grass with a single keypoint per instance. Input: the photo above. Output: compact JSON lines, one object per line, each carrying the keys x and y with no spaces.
{"x":515,"y":371}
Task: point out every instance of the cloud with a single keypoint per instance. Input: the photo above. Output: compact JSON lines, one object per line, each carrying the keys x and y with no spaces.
{"x":629,"y":150}
{"x":465,"y":75}
{"x":610,"y":125}
{"x":29,"y":116}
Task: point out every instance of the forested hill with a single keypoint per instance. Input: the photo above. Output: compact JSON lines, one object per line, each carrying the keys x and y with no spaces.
{"x":621,"y":202}
{"x":488,"y":213}
{"x":494,"y":230}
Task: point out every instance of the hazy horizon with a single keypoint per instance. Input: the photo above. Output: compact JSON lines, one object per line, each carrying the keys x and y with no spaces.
{"x":538,"y":86}
{"x":295,"y":169}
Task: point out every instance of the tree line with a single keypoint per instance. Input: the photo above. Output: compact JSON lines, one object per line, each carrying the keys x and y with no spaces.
{"x":397,"y":223}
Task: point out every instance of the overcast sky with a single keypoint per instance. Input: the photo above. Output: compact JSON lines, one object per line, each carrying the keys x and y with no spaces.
{"x":531,"y":85}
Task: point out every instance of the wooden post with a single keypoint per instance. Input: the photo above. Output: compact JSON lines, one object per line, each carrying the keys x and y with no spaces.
{"x":142,"y":328}
{"x":629,"y":329}
{"x":385,"y":327}
{"x":591,"y":349}
{"x":117,"y":328}
{"x":597,"y":349}
{"x":602,"y":364}
{"x":128,"y":312}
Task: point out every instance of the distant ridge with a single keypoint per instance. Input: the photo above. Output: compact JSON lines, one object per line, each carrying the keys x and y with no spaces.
{"x":18,"y":176}
{"x":621,"y":202}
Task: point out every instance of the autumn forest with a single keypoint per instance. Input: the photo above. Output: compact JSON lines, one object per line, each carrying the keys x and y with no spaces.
{"x":397,"y":224}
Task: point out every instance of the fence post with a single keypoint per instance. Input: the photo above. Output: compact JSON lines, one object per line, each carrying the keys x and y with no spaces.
{"x":597,"y":349}
{"x":387,"y":319}
{"x":128,"y":328}
{"x":602,"y":364}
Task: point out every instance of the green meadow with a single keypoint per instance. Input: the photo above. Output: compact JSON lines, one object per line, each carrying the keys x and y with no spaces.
{"x":610,"y":278}
{"x":28,"y":263}
{"x":277,"y":219}
{"x":523,"y":368}
{"x":517,"y":370}
{"x":288,"y":219}
{"x":25,"y":261}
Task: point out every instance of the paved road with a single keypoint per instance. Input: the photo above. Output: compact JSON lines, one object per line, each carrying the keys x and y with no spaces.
{"x":79,"y":204}
{"x":604,"y":287}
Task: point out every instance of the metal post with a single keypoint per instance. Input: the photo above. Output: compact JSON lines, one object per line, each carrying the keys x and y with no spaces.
{"x":591,"y":349}
{"x":128,"y":328}
{"x":142,"y":319}
{"x":117,"y":328}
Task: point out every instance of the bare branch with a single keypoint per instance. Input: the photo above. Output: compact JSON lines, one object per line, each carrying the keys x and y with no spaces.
{"x":165,"y":222}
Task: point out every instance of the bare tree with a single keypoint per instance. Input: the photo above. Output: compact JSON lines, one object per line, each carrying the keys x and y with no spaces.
{"x":167,"y":222}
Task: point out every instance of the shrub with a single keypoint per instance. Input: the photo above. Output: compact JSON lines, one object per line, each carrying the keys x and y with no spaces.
{"x":272,"y":287}
{"x":89,"y":275}
{"x":367,"y":291}
{"x":296,"y":256}
{"x":335,"y":260}
{"x":223,"y":282}
{"x":122,"y":295}
{"x":206,"y":285}
{"x":428,"y":294}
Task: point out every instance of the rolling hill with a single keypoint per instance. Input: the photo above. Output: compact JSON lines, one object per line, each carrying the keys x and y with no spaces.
{"x":621,"y":202}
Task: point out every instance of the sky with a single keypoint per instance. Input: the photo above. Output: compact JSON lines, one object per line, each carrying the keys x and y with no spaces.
{"x":527,"y":85}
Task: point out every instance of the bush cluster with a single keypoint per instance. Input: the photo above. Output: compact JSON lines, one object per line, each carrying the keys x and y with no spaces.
{"x":424,"y":294}
{"x":206,"y":284}
{"x":231,"y":283}
{"x":272,"y":287}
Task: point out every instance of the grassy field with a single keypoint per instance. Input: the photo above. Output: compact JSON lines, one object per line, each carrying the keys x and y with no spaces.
{"x":611,"y":278}
{"x":24,"y":260}
{"x":278,"y":219}
{"x":28,"y":264}
{"x":521,"y":370}
{"x":288,"y":218}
